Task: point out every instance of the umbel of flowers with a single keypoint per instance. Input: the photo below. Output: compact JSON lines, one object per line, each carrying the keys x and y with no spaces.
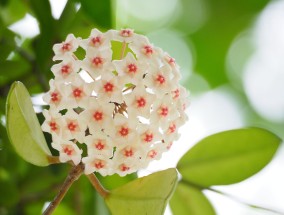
{"x":124,"y":113}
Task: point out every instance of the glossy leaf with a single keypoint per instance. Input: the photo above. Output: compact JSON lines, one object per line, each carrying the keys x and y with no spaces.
{"x":228,"y":157}
{"x":9,"y":193}
{"x":212,"y":41}
{"x":19,"y":68}
{"x":147,"y":195}
{"x":190,"y":200}
{"x":67,"y":18}
{"x":99,"y":11}
{"x":23,"y":127}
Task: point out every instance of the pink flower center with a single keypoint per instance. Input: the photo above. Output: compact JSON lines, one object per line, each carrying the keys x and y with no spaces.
{"x":148,"y":50}
{"x":141,"y":102}
{"x":96,"y":41}
{"x":170,"y":60}
{"x":97,"y":61}
{"x":128,"y":152}
{"x":123,"y":131}
{"x":172,"y":128}
{"x":72,"y":126}
{"x":132,"y":68}
{"x":99,"y":164}
{"x":108,"y":87}
{"x":98,"y":115}
{"x":55,"y":97}
{"x":53,"y":126}
{"x":160,"y":79}
{"x":77,"y":93}
{"x":66,"y":47}
{"x":176,"y":93}
{"x":67,"y":150}
{"x":152,"y":153}
{"x":170,"y":145}
{"x":100,"y":145}
{"x":65,"y":70}
{"x":124,"y":168}
{"x":126,"y":32}
{"x":164,"y":111}
{"x":148,"y":137}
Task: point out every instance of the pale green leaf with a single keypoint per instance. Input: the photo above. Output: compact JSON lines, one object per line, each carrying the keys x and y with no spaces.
{"x":190,"y":200}
{"x":228,"y":157}
{"x":23,"y":127}
{"x":147,"y":195}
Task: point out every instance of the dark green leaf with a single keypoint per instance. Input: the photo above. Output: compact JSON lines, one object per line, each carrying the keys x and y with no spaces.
{"x":11,"y":70}
{"x":9,"y":193}
{"x":42,"y":11}
{"x":67,"y":19}
{"x":113,"y":181}
{"x":99,"y":11}
{"x":228,"y":157}
{"x":190,"y":200}
{"x":212,"y":41}
{"x":13,"y":11}
{"x":147,"y":195}
{"x":23,"y":127}
{"x":7,"y":43}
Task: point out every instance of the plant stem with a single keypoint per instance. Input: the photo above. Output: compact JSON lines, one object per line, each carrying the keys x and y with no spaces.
{"x":73,"y":175}
{"x":231,"y":197}
{"x":97,"y":185}
{"x":123,"y":50}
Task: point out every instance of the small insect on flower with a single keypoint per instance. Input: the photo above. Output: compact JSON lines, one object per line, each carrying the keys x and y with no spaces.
{"x":113,"y":115}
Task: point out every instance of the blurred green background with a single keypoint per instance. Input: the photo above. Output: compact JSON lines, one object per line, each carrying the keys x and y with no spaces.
{"x":230,"y":53}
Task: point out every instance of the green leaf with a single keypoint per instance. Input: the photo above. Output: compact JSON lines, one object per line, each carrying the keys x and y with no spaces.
{"x":190,"y":200}
{"x":147,"y":195}
{"x":212,"y":41}
{"x":11,"y":70}
{"x":7,"y":43}
{"x":42,"y":11}
{"x":99,"y":11}
{"x":9,"y":194}
{"x":23,"y":127}
{"x":228,"y":157}
{"x":67,"y":18}
{"x":114,"y":181}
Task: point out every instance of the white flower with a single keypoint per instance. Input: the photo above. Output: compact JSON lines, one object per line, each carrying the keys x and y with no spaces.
{"x":78,"y":92}
{"x":109,"y":88}
{"x":126,"y":114}
{"x":65,"y":70}
{"x":160,"y":80}
{"x":99,"y":117}
{"x":66,"y":48}
{"x":53,"y":123}
{"x":99,"y":144}
{"x":132,"y":69}
{"x":124,"y":35}
{"x":55,"y":97}
{"x":68,"y":151}
{"x":98,"y":163}
{"x":97,"y":62}
{"x":143,"y":48}
{"x":74,"y":126}
{"x":139,"y":101}
{"x":97,"y":40}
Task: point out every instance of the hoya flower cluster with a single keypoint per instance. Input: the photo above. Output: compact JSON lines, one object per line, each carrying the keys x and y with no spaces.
{"x":124,"y":113}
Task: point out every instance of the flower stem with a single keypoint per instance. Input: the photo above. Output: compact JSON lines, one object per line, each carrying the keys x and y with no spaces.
{"x":123,"y":50}
{"x":97,"y":185}
{"x":73,"y":175}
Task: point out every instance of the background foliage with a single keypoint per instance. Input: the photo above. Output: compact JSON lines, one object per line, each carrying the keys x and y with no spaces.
{"x":208,"y":29}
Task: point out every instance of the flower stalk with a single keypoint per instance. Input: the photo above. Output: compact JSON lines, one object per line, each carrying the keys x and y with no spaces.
{"x":97,"y":185}
{"x":74,"y":174}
